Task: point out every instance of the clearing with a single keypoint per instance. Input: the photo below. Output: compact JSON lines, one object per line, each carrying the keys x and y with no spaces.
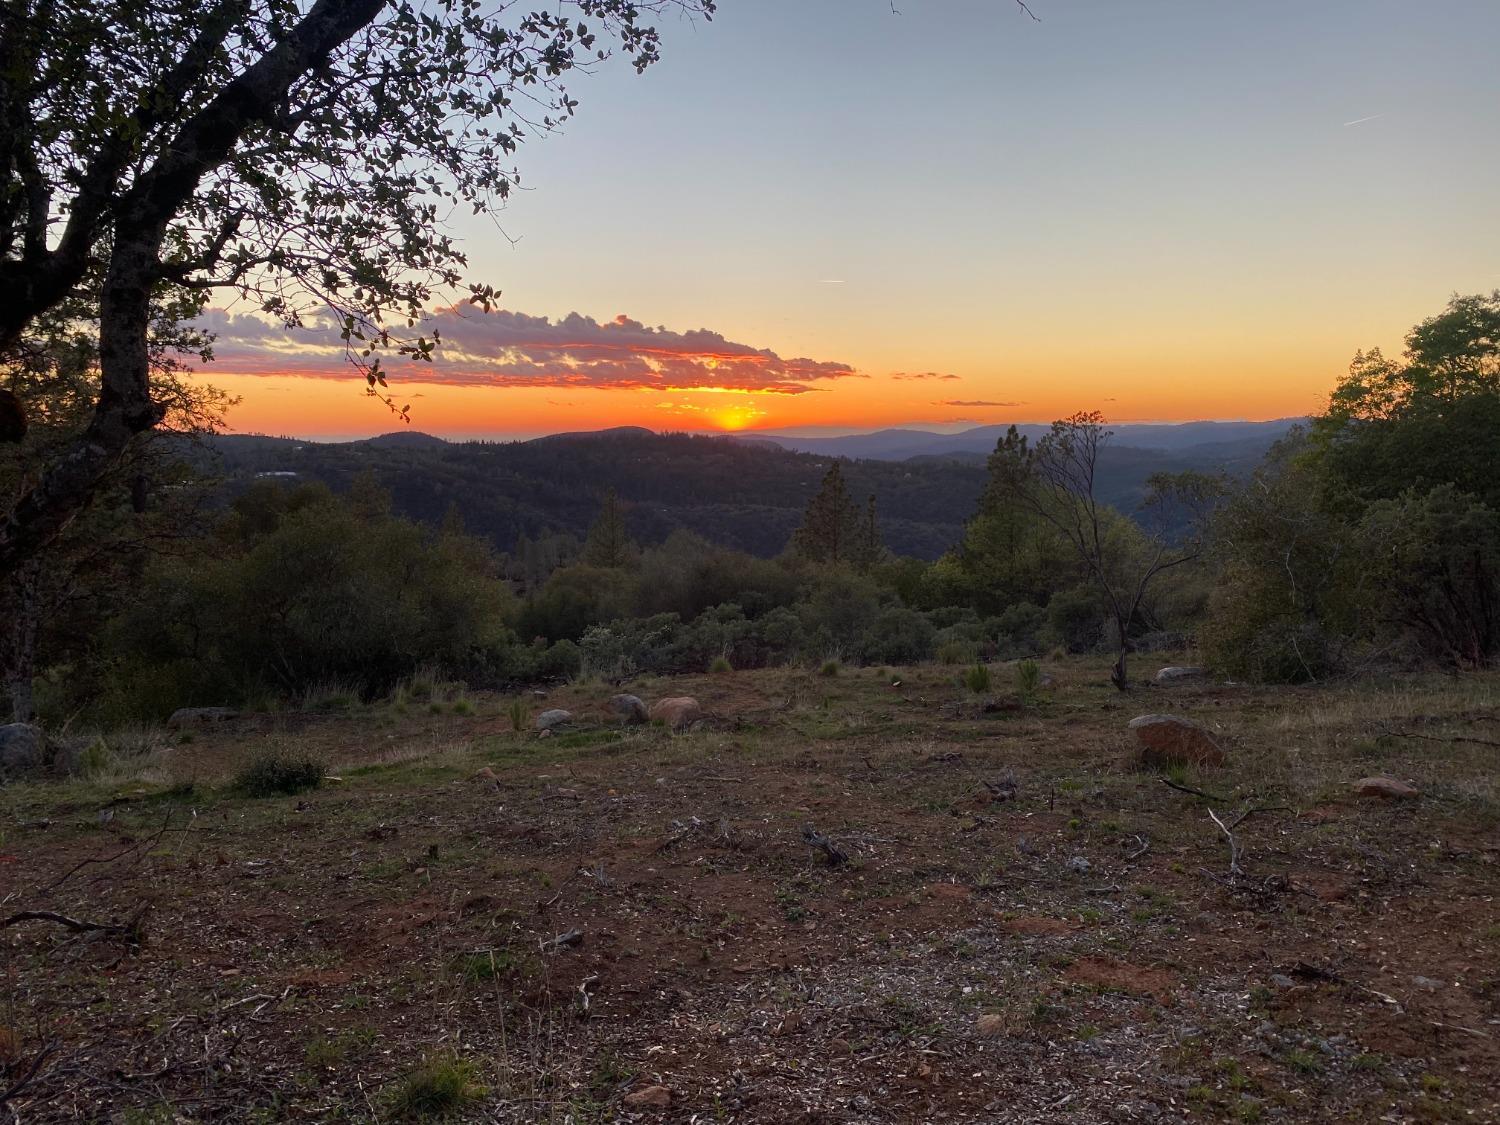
{"x":507,"y":927}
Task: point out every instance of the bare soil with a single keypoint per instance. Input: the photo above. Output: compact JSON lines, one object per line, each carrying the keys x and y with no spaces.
{"x":1025,"y":930}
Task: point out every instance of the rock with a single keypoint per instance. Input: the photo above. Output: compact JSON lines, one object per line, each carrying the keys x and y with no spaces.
{"x":1174,"y":673}
{"x":677,"y":712}
{"x":1046,"y":683}
{"x":650,"y":1097}
{"x":629,"y":707}
{"x":21,"y":746}
{"x":990,"y":1025}
{"x":1079,"y":866}
{"x":1166,"y":740}
{"x":185,"y":717}
{"x":1386,"y":788}
{"x":556,"y":717}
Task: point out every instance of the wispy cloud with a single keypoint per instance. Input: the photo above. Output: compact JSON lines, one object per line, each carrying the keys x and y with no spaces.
{"x":921,"y":375}
{"x":1362,"y":120}
{"x":512,"y":349}
{"x":974,"y":402}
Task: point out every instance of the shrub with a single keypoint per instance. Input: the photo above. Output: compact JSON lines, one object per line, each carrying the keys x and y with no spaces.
{"x":1075,"y":620}
{"x":829,"y":669}
{"x":720,"y":666}
{"x":1028,"y":678}
{"x":898,"y":636}
{"x":956,"y":652}
{"x":519,"y":719}
{"x":277,"y":773}
{"x":977,"y":679}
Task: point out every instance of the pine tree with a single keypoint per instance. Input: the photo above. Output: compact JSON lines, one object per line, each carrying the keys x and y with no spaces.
{"x":608,"y":543}
{"x":833,"y":528}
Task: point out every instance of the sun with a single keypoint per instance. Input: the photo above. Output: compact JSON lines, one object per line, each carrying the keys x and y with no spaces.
{"x":734,"y":417}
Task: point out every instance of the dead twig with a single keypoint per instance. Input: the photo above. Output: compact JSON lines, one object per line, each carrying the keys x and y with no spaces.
{"x":562,"y":941}
{"x":815,"y":839}
{"x":1170,"y":784}
{"x":1444,"y":738}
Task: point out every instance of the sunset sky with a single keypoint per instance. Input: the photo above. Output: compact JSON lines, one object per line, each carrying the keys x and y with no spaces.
{"x":826,"y":213}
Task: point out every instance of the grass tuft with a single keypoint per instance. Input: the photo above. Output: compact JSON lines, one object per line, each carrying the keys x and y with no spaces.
{"x":278,"y":773}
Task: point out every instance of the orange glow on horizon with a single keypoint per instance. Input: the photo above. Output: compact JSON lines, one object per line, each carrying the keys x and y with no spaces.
{"x":319,"y":407}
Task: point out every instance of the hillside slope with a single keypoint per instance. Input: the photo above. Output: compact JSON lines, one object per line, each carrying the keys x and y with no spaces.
{"x":747,"y":495}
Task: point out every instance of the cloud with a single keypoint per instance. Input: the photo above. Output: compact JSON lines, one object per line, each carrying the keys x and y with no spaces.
{"x":512,"y":349}
{"x":921,"y":375}
{"x":1362,"y":120}
{"x":974,"y":402}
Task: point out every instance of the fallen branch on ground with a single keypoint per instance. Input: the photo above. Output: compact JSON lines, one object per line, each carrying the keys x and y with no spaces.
{"x":130,"y":929}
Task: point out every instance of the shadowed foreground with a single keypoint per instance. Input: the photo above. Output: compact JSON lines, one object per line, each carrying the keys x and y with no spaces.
{"x":506,"y":927}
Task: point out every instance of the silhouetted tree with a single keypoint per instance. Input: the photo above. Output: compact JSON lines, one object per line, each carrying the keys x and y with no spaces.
{"x":833,"y":528}
{"x":299,"y":155}
{"x":608,"y":543}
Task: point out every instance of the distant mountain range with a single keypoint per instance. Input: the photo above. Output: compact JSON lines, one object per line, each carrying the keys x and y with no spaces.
{"x":1228,"y":439}
{"x":744,"y":492}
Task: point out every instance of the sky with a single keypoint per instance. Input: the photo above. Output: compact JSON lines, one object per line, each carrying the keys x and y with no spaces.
{"x":833,"y":214}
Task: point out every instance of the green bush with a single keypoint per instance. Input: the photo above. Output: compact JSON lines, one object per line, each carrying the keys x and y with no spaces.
{"x":898,"y":636}
{"x":720,"y":666}
{"x":977,"y":679}
{"x":1028,"y":678}
{"x":440,"y":1085}
{"x":278,"y":773}
{"x":1075,"y":619}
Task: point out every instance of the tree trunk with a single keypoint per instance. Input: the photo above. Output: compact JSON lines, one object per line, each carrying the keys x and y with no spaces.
{"x":19,"y":653}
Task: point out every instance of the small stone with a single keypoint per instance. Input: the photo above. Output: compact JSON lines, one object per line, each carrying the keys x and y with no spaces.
{"x":1281,"y":980}
{"x":991,"y":1026}
{"x":556,"y":717}
{"x":1176,"y":673}
{"x":1428,"y":983}
{"x":1079,"y":866}
{"x":650,"y":1097}
{"x":1385,"y":788}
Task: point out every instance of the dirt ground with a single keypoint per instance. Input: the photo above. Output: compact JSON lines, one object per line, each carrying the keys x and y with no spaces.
{"x":1024,"y":930}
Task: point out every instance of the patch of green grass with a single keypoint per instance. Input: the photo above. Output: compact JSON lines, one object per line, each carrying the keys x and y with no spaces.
{"x":1303,"y":1062}
{"x":830,"y":668}
{"x":438,"y":1086}
{"x":720,"y":666}
{"x":325,"y":1051}
{"x":278,"y":773}
{"x":519,"y":718}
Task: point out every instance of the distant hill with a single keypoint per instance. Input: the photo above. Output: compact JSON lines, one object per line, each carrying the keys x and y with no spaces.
{"x":744,"y":494}
{"x":901,"y":444}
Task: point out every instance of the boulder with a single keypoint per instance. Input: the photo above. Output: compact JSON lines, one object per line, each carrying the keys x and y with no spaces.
{"x":629,"y":707}
{"x":1385,"y":788}
{"x":185,"y":717}
{"x":649,"y":1097}
{"x":677,"y":712}
{"x":21,"y":746}
{"x":556,"y":717}
{"x":1173,"y":674}
{"x":1166,"y":740}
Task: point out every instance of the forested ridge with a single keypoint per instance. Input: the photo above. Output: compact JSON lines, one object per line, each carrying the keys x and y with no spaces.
{"x":740,"y":494}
